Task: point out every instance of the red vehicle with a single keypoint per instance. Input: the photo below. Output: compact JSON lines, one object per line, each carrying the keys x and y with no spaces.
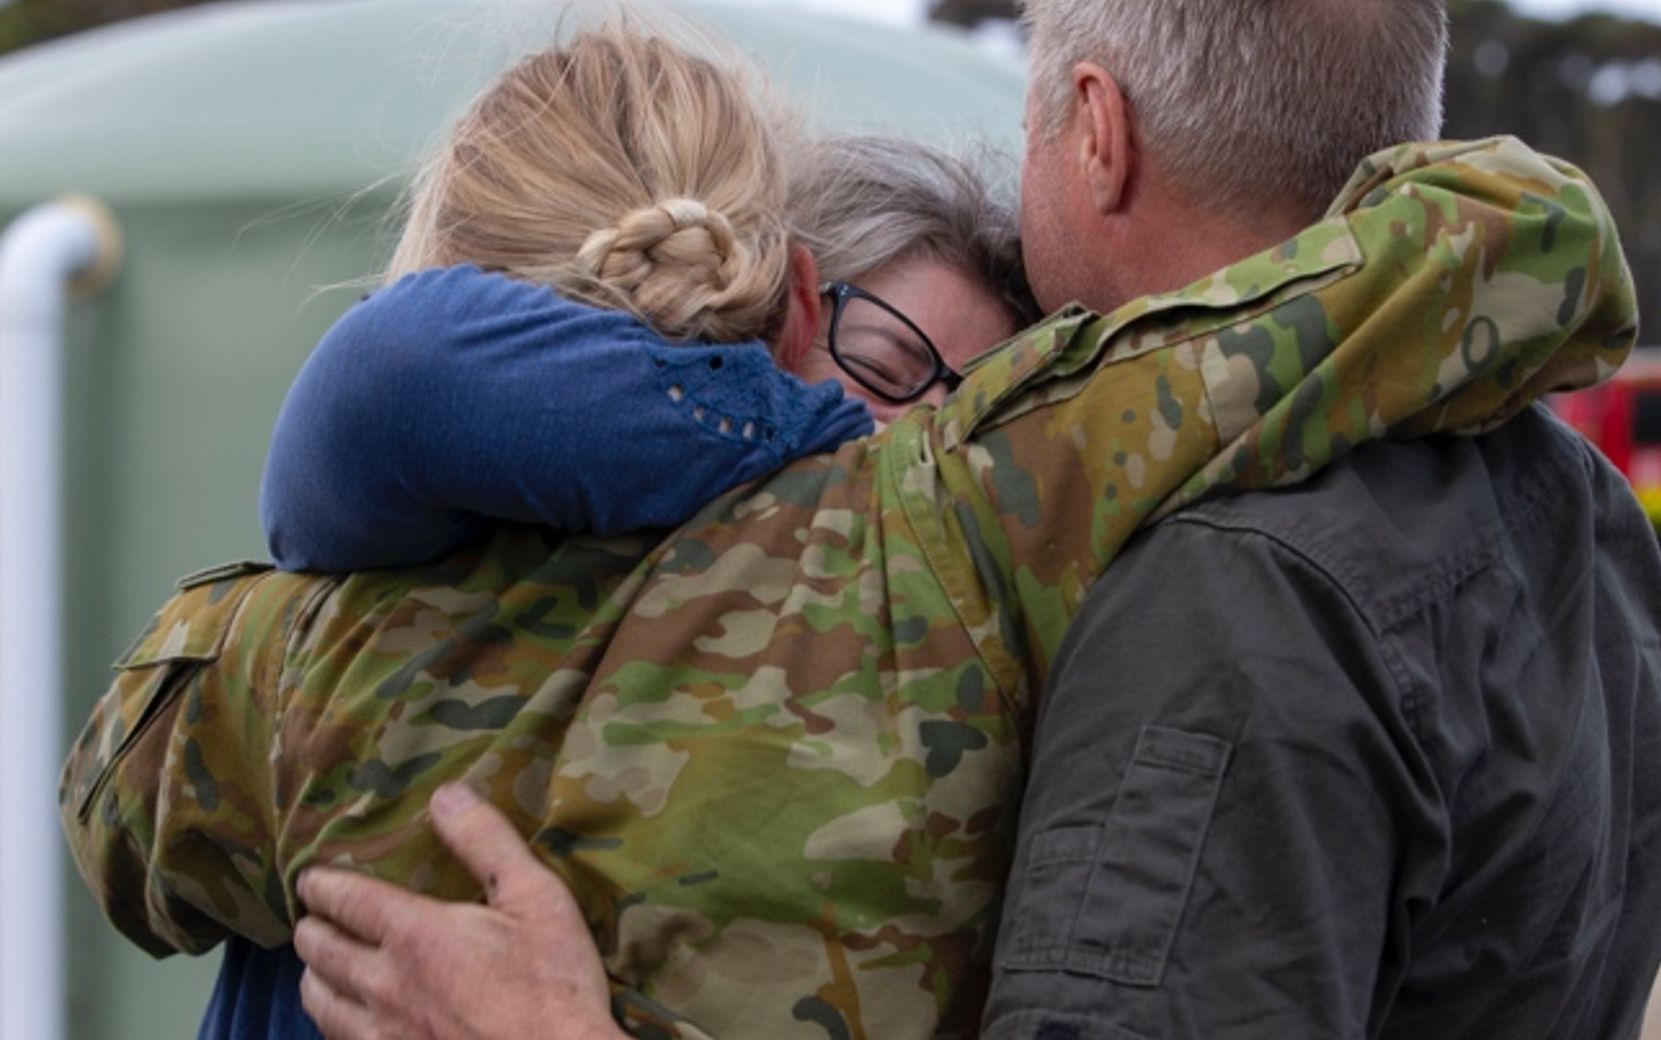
{"x":1623,"y":418}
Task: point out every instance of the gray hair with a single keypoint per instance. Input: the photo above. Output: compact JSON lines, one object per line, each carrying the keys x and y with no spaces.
{"x":1252,"y":103}
{"x":862,"y":202}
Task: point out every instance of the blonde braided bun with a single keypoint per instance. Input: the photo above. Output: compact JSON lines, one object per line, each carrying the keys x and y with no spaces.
{"x":681,"y":264}
{"x":624,"y":171}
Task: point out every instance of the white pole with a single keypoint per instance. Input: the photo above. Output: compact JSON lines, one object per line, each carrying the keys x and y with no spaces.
{"x":41,"y":252}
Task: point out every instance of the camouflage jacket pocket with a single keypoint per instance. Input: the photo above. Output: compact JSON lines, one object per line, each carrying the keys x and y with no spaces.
{"x":189,"y":631}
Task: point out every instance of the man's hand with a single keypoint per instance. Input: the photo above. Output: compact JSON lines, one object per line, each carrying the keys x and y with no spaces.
{"x":383,"y":963}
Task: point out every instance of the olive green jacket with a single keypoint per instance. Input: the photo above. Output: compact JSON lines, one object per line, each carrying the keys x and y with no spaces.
{"x":778,"y":752}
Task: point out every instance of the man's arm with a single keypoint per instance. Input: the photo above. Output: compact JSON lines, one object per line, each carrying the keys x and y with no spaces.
{"x":454,"y":396}
{"x":1248,"y":886}
{"x":383,"y":962}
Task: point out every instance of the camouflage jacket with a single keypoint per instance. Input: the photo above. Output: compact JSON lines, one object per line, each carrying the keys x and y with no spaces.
{"x":777,"y":752}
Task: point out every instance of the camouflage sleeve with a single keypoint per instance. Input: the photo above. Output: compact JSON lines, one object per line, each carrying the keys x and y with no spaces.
{"x":1450,"y":286}
{"x":177,"y":800}
{"x":178,"y":855}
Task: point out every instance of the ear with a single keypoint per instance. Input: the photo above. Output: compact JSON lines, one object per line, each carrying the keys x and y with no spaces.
{"x":803,"y":303}
{"x":1106,"y":156}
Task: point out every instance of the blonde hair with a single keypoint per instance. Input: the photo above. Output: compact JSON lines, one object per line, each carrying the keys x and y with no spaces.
{"x":1255,"y":104}
{"x":624,"y":171}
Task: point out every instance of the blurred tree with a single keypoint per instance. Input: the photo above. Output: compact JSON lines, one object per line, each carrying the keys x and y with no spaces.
{"x":970,"y":13}
{"x":24,"y":22}
{"x":1588,"y":90}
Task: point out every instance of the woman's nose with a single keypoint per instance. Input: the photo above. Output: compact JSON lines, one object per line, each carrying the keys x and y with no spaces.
{"x":885,"y":413}
{"x":935,"y":395}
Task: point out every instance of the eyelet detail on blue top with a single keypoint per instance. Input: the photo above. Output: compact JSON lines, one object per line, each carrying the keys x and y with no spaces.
{"x":722,"y":389}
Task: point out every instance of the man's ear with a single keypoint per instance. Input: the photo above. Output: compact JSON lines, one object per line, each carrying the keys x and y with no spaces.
{"x":1106,"y":148}
{"x":801,"y":316}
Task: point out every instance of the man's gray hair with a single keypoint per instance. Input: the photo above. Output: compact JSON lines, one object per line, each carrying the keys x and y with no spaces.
{"x":1252,"y":103}
{"x":862,"y":202}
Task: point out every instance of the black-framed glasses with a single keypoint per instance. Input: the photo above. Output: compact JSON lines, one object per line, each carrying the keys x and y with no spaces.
{"x":882,"y":349}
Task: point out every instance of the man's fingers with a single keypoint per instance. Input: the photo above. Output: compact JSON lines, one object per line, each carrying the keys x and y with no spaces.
{"x":486,"y":843}
{"x":337,"y":1015}
{"x":365,"y":906}
{"x":335,"y":955}
{"x":385,"y":964}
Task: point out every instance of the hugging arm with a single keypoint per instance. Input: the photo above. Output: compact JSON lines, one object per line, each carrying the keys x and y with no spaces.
{"x":455,"y":396}
{"x":383,"y":962}
{"x":1376,"y":796}
{"x":378,"y":955}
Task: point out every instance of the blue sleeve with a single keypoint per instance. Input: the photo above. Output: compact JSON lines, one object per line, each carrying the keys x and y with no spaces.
{"x":455,"y":397}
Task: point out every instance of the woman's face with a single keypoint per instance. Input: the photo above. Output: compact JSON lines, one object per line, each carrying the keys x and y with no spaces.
{"x":958,"y":315}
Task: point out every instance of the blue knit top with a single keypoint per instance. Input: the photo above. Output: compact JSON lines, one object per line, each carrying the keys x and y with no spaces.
{"x":456,"y":397}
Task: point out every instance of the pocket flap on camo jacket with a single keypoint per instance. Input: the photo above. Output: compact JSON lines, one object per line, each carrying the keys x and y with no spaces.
{"x":190,"y":629}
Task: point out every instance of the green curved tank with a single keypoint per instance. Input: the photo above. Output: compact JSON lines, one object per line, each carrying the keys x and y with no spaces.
{"x":250,"y":152}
